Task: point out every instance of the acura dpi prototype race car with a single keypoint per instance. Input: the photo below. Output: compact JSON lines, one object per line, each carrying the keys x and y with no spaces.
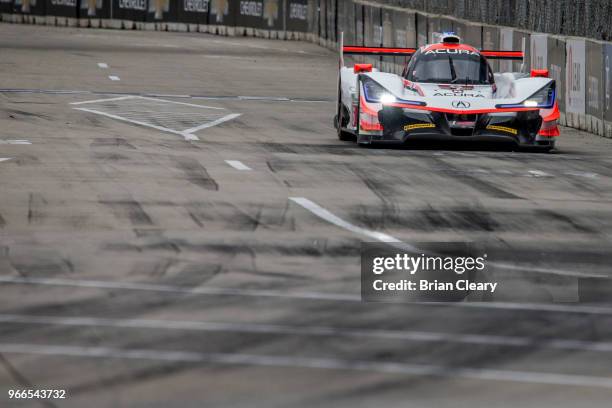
{"x":447,"y":91}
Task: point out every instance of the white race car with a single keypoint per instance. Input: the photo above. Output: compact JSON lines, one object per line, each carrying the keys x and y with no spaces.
{"x":447,"y":91}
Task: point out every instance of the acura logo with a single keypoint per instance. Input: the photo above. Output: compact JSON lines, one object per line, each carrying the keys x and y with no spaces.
{"x":461,"y":104}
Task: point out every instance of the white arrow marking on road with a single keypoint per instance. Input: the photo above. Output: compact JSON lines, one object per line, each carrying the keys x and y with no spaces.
{"x":114,"y":78}
{"x":538,"y":173}
{"x":238,"y":165}
{"x":16,"y":142}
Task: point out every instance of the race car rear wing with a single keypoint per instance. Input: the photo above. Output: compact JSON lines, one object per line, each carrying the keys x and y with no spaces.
{"x":503,"y":55}
{"x":377,"y":51}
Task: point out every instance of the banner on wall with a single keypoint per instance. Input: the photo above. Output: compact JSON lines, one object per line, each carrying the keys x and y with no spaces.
{"x":556,"y":67}
{"x":421,"y":29}
{"x":62,"y":8}
{"x":193,"y":11}
{"x":162,"y":10}
{"x":575,"y":76}
{"x":94,"y":8}
{"x":594,"y":79}
{"x":490,"y":41}
{"x":266,"y":14}
{"x":539,"y":51}
{"x":134,"y":10}
{"x":607,"y":73}
{"x":297,"y":18}
{"x":6,"y":6}
{"x":506,"y":43}
{"x":222,"y":12}
{"x":36,"y":7}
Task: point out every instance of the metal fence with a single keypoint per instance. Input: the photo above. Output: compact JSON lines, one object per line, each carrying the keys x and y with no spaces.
{"x":583,"y":18}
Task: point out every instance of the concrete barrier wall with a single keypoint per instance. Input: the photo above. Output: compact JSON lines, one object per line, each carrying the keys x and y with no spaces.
{"x":282,"y":19}
{"x":582,"y":67}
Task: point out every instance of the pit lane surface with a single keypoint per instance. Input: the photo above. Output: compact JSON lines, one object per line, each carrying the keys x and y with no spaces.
{"x":140,"y":267}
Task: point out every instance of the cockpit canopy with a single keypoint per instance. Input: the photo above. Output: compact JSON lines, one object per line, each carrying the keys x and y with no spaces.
{"x":449,"y":65}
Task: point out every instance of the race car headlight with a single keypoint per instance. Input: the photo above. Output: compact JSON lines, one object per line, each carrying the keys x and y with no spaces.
{"x":387,"y":98}
{"x":376,"y":93}
{"x":544,"y":99}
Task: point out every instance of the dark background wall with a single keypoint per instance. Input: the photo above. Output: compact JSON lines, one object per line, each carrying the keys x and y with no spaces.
{"x":583,"y":18}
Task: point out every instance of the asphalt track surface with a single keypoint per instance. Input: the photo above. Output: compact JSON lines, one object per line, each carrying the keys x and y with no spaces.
{"x":199,"y":259}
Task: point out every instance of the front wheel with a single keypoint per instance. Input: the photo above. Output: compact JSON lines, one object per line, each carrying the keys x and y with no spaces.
{"x":341,"y":121}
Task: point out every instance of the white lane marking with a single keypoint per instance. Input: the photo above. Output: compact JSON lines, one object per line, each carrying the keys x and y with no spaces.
{"x":329,"y":296}
{"x":238,"y":165}
{"x":5,"y":158}
{"x":119,"y":98}
{"x":102,"y":65}
{"x":538,"y":173}
{"x":213,"y":123}
{"x":180,"y":103}
{"x":167,"y":95}
{"x":263,"y":98}
{"x":320,"y":331}
{"x":137,"y":122}
{"x":584,"y":174}
{"x":114,"y":78}
{"x":16,"y":142}
{"x":334,"y":219}
{"x":528,"y":377}
{"x":382,"y":237}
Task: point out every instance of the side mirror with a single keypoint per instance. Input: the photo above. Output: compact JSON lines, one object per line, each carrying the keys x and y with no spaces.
{"x":539,"y":73}
{"x":358,"y":68}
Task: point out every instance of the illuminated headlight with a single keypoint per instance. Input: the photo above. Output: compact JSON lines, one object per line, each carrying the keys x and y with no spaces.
{"x":387,"y":98}
{"x":544,"y":98}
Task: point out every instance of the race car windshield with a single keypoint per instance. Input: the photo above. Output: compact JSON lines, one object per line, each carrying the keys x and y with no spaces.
{"x":447,"y":68}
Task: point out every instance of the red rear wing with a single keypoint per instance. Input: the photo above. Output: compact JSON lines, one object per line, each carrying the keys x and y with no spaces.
{"x":503,"y":55}
{"x":354,"y":49}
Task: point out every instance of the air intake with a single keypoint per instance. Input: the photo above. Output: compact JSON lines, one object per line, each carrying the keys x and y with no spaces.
{"x":450,"y":38}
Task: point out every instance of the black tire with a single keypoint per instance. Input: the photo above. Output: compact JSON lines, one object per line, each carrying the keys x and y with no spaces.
{"x":341,"y":122}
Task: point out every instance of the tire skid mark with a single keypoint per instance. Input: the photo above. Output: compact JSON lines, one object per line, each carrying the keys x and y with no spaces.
{"x":476,"y":183}
{"x":36,"y":202}
{"x":112,"y":142}
{"x":128,"y":210}
{"x":196,"y":174}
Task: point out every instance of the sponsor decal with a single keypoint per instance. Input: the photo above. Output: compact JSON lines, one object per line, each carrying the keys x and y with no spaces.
{"x":539,"y":51}
{"x":251,"y":8}
{"x":593,"y":92}
{"x":608,"y":79}
{"x":453,"y":51}
{"x":26,"y":5}
{"x":298,"y":11}
{"x":219,"y":8}
{"x":91,"y":6}
{"x":69,"y":3}
{"x":458,"y":94}
{"x":461,"y":104}
{"x":270,"y":11}
{"x":502,"y":129}
{"x":159,"y":7}
{"x":133,"y":4}
{"x":575,"y":74}
{"x":408,"y":128}
{"x":196,"y":6}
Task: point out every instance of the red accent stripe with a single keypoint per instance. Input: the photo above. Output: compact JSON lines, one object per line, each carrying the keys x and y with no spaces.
{"x":503,"y":54}
{"x":352,"y":49}
{"x":461,"y":112}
